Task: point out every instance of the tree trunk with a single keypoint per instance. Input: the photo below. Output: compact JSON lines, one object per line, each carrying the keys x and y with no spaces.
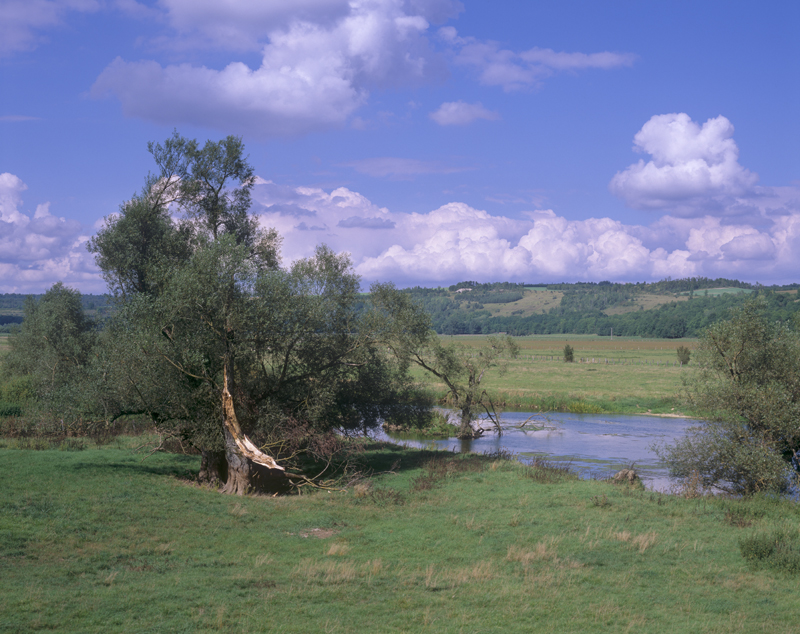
{"x":249,"y":469}
{"x":246,"y":476}
{"x":213,"y":468}
{"x":465,"y":430}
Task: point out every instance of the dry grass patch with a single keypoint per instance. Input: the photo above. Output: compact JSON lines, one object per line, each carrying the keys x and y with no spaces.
{"x":437,"y":578}
{"x":326,"y":572}
{"x":640,"y":542}
{"x":338,"y":549}
{"x":544,"y":551}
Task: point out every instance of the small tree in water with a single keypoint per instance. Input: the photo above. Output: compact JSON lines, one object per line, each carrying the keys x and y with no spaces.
{"x":569,"y":354}
{"x":460,"y":368}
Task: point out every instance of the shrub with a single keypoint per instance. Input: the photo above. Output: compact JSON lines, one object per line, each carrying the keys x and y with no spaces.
{"x":569,"y":354}
{"x":683,"y":354}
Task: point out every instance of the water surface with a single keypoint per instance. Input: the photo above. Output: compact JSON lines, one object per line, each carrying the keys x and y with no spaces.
{"x":595,"y":445}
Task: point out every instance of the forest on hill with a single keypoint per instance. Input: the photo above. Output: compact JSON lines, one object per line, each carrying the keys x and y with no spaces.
{"x":666,"y":309}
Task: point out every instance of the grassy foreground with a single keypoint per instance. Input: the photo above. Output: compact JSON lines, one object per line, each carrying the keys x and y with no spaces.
{"x":99,"y":541}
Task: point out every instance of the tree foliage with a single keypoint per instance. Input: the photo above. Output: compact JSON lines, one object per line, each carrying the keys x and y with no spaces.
{"x":53,"y":350}
{"x":748,"y":380}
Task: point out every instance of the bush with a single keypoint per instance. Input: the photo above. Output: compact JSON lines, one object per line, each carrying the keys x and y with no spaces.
{"x":569,"y":354}
{"x":683,"y":354}
{"x":746,"y":386}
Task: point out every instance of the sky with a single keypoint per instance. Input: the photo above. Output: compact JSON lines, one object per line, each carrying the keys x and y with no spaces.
{"x":436,"y":141}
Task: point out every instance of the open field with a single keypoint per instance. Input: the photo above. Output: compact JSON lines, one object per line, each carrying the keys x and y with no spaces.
{"x":534,"y":302}
{"x":99,"y":541}
{"x":625,"y":375}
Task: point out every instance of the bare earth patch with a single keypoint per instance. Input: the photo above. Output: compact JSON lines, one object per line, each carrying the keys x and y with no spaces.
{"x":319,"y":533}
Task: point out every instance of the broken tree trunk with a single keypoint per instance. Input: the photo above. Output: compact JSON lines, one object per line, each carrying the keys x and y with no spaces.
{"x":250,"y":470}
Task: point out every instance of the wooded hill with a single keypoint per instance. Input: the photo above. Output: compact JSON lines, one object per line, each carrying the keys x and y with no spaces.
{"x":669,"y":308}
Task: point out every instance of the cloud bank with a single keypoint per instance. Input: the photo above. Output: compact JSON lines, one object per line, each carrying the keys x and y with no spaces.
{"x":37,"y":251}
{"x":750,"y":232}
{"x":457,"y":242}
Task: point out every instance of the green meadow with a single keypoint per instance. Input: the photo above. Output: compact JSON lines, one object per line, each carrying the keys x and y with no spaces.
{"x":622,"y":375}
{"x":96,"y":539}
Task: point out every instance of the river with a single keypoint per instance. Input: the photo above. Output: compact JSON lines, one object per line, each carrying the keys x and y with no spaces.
{"x":595,"y":445}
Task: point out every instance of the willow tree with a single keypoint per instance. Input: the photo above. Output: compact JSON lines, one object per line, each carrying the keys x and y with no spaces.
{"x":460,"y":368}
{"x":214,"y":338}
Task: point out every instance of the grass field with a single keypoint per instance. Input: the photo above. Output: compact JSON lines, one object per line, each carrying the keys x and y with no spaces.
{"x":99,"y":541}
{"x":3,"y":342}
{"x":533,"y":302}
{"x":624,"y":375}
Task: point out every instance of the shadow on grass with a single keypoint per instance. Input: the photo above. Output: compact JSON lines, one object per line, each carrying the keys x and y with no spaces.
{"x":187,"y":468}
{"x":382,"y":456}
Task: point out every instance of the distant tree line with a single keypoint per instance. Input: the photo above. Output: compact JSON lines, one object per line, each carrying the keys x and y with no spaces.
{"x":12,"y":307}
{"x":580,"y":312}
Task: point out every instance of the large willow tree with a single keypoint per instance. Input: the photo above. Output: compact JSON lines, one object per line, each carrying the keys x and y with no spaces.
{"x":249,"y":360}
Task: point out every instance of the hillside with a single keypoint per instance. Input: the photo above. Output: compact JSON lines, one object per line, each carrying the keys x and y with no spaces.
{"x":669,"y":308}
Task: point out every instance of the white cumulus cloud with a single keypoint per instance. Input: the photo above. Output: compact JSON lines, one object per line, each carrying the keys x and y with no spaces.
{"x":317,"y":67}
{"x":694,"y":170}
{"x":461,"y":113}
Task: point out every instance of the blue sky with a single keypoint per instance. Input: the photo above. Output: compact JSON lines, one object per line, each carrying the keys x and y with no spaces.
{"x":434,"y":140}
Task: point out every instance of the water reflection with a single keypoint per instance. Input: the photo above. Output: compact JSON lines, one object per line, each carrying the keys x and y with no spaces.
{"x":596,"y":445}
